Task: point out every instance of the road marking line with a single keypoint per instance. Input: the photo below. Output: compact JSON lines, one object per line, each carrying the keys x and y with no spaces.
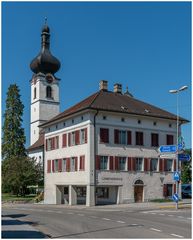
{"x":154,"y":229}
{"x":170,"y":215}
{"x":180,"y":217}
{"x":70,"y":213}
{"x":162,"y":214}
{"x":134,"y":224}
{"x":120,"y":222}
{"x":175,"y":235}
{"x":144,"y":212}
{"x":152,"y":213}
{"x":93,"y":217}
{"x":80,"y":214}
{"x":189,"y":218}
{"x":107,"y":219}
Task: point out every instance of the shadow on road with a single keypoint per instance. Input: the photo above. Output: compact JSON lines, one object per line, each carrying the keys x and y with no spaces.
{"x":14,"y":228}
{"x":22,"y":234}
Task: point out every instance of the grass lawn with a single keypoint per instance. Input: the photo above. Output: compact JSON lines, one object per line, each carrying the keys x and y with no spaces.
{"x":9,"y":197}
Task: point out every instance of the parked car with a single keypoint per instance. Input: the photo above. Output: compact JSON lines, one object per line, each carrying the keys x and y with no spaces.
{"x":186,"y":190}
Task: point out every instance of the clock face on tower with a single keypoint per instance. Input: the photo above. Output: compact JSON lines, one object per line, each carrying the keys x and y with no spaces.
{"x":49,"y":78}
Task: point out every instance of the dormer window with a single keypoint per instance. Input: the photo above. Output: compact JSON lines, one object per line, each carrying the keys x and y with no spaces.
{"x":48,"y":92}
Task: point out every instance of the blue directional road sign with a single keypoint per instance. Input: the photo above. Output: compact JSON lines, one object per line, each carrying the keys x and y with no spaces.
{"x":175,"y":197}
{"x":184,"y":157}
{"x":167,"y":148}
{"x":176,"y":176}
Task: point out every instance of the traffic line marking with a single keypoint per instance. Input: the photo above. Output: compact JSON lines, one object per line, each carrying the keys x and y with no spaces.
{"x":80,"y":214}
{"x":175,"y":235}
{"x":152,"y":213}
{"x":189,"y":218}
{"x":180,"y":217}
{"x":93,"y":217}
{"x":162,"y":214}
{"x":70,"y":213}
{"x":107,"y":219}
{"x":170,"y":215}
{"x":120,"y":222}
{"x":155,"y":229}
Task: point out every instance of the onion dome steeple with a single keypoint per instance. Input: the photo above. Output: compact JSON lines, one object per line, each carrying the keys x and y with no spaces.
{"x":45,"y":62}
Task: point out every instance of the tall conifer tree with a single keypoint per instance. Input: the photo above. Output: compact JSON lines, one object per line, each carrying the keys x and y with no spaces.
{"x":13,"y":134}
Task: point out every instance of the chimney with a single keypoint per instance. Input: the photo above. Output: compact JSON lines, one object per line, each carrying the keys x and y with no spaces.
{"x":103,"y":85}
{"x":117,"y":88}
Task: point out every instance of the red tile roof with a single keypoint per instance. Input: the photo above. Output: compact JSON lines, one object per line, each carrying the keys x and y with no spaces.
{"x":38,"y":144}
{"x":115,"y":102}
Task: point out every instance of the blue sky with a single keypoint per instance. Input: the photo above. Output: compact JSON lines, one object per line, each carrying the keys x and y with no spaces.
{"x":143,"y":45}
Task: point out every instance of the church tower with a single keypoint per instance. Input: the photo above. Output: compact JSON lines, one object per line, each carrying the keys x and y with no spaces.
{"x":44,"y":86}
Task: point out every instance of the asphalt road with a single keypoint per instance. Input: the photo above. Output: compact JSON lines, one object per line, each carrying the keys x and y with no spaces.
{"x":57,"y":221}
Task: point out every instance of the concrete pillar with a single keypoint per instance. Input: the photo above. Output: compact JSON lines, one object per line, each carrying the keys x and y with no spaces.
{"x":72,"y":195}
{"x":58,"y":195}
{"x":119,"y":195}
{"x":90,"y":196}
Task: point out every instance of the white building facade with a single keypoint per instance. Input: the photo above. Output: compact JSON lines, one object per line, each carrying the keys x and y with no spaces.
{"x":100,"y":156}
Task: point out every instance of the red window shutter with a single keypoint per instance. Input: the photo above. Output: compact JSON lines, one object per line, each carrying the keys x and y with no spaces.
{"x":174,"y":188}
{"x":53,"y":169}
{"x":104,"y":135}
{"x":97,"y":162}
{"x":82,"y":163}
{"x":129,"y":164}
{"x":169,"y":139}
{"x":116,"y":163}
{"x":69,"y":139}
{"x":161,"y":165}
{"x":64,"y":140}
{"x":165,"y":190}
{"x":116,"y":136}
{"x":174,"y":164}
{"x":49,"y":166}
{"x":54,"y":143}
{"x":111,"y":167}
{"x":128,"y":137}
{"x":148,"y":164}
{"x":68,"y":164}
{"x":133,"y":164}
{"x":145,"y":164}
{"x":76,"y":163}
{"x":59,"y":165}
{"x":77,"y":137}
{"x":86,"y":135}
{"x":46,"y":144}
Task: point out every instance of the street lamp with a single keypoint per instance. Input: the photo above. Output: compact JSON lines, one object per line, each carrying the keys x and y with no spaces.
{"x":177,"y":160}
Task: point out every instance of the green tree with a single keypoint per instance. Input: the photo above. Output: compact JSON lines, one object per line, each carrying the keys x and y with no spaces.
{"x":13,"y":134}
{"x":186,"y":169}
{"x":18,"y":173}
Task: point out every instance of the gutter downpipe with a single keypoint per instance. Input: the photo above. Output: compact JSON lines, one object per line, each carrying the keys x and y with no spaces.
{"x":95,"y":153}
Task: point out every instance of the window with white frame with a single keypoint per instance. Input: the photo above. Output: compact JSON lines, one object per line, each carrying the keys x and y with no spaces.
{"x":122,"y":163}
{"x":168,"y":166}
{"x":72,"y":164}
{"x":139,"y":164}
{"x":82,"y":136}
{"x":122,"y":137}
{"x":56,"y":165}
{"x":104,"y":163}
{"x":154,"y":164}
{"x":64,"y":165}
{"x":73,"y":138}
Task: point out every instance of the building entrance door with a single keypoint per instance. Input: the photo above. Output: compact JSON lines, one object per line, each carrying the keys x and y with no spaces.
{"x":65,"y":195}
{"x":138,"y":191}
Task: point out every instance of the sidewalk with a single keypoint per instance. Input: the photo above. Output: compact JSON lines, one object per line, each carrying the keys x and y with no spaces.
{"x":14,"y":228}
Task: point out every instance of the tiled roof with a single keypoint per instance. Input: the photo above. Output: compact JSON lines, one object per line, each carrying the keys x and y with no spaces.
{"x":38,"y":144}
{"x":115,"y":102}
